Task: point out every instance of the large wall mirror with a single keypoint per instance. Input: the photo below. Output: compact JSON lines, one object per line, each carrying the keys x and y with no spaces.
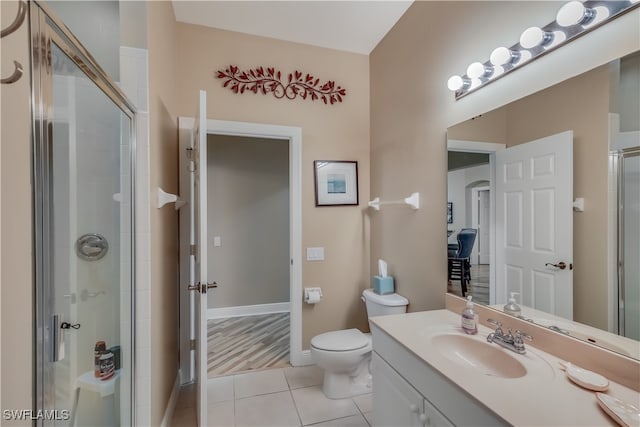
{"x":511,"y":170}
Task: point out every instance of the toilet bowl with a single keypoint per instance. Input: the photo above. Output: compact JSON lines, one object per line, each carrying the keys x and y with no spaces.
{"x":345,"y":355}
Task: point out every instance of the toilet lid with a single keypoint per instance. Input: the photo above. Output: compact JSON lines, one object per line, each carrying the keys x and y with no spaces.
{"x":345,"y":340}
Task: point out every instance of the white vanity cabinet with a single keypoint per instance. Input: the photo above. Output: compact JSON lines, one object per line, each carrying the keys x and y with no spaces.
{"x":396,"y":403}
{"x":407,"y":391}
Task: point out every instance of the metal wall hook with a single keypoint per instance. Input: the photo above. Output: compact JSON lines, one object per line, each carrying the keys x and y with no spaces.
{"x":17,"y":71}
{"x":15,"y":76}
{"x":22,"y":12}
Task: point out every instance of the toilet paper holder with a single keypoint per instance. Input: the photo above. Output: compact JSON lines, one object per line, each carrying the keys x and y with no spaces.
{"x":312,"y":295}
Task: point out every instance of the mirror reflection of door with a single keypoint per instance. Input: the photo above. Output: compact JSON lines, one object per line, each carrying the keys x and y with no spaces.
{"x":534,"y":224}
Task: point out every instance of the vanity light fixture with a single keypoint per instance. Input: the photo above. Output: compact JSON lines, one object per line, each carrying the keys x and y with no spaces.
{"x":573,"y":20}
{"x":574,"y":13}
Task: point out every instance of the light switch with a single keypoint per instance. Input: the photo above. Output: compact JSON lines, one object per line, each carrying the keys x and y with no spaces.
{"x":216,"y":241}
{"x":315,"y":254}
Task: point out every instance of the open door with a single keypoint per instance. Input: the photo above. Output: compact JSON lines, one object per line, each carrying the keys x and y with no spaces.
{"x":534,"y":224}
{"x":198,"y":279}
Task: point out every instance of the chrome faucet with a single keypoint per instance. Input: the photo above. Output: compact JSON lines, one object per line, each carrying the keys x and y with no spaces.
{"x":511,"y":341}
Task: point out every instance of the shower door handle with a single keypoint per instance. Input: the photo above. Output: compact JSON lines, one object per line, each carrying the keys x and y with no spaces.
{"x":57,"y":339}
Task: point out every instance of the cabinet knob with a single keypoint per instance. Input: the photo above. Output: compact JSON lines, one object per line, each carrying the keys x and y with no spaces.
{"x":413,"y":408}
{"x":423,"y":418}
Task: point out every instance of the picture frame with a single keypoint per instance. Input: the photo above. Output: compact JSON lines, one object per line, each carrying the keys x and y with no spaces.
{"x":449,"y":213}
{"x":336,"y":182}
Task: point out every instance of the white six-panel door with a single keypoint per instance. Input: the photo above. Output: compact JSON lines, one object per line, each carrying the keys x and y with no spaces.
{"x":534,"y":223}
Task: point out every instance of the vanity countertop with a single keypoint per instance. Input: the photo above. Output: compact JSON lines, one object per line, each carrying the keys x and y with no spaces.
{"x":543,"y":397}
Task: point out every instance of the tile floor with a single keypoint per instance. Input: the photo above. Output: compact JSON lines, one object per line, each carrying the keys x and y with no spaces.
{"x":273,"y":398}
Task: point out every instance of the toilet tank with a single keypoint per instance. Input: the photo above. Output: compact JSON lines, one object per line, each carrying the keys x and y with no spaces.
{"x":382,"y":305}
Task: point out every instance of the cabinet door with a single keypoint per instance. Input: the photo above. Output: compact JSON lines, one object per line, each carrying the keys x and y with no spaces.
{"x":395,"y":402}
{"x":434,"y":418}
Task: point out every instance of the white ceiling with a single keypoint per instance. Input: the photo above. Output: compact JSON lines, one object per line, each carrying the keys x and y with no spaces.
{"x":353,"y":26}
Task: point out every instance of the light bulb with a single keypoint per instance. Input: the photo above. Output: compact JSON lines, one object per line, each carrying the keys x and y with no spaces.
{"x":478,"y":69}
{"x":503,"y":55}
{"x":574,"y":13}
{"x":455,"y":83}
{"x":535,"y":36}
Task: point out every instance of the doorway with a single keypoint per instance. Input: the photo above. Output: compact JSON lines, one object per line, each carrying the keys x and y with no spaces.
{"x":248,"y":253}
{"x":468,"y":174}
{"x":290,"y":140}
{"x":472,"y":172}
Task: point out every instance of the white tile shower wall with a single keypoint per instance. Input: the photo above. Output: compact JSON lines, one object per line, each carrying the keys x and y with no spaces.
{"x":134,"y":83}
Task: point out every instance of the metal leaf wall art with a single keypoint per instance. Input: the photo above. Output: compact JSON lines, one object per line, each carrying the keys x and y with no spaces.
{"x":268,"y":80}
{"x":17,"y":70}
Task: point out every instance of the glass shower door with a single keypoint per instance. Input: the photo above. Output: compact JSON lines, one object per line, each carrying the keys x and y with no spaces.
{"x":84,"y":240}
{"x":629,"y":242}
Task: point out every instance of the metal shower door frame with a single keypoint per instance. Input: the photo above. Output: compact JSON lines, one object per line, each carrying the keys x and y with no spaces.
{"x":46,"y":28}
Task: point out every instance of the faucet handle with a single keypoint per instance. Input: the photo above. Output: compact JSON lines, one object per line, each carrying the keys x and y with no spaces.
{"x":518,"y":341}
{"x":499,"y":332}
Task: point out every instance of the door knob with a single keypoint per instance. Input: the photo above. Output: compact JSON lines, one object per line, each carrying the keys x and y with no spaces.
{"x":561,"y":265}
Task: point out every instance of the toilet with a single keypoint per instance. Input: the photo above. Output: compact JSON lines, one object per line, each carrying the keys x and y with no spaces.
{"x":345,"y":355}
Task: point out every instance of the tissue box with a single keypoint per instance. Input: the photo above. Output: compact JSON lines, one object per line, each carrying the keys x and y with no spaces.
{"x":383,"y":285}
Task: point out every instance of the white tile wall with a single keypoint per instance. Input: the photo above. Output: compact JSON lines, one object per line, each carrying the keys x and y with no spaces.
{"x":135,"y":82}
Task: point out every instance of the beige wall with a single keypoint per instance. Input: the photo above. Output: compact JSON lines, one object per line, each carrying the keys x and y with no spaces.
{"x":248,"y":208}
{"x":163,"y":153}
{"x":411,"y":109}
{"x":329,"y":132}
{"x":16,"y":288}
{"x":580,"y":104}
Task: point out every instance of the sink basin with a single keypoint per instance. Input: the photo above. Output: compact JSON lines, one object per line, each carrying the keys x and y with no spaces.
{"x":478,"y":355}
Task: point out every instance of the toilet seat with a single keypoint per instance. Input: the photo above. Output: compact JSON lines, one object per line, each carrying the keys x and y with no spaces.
{"x":344,"y":340}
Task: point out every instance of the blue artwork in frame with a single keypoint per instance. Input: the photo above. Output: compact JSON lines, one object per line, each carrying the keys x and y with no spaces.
{"x":336,"y":182}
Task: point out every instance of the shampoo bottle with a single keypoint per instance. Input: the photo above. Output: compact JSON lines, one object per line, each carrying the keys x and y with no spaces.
{"x":469,"y":318}
{"x":511,"y":307}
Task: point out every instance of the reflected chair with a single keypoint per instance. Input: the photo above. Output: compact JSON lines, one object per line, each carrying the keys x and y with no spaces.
{"x":459,"y":263}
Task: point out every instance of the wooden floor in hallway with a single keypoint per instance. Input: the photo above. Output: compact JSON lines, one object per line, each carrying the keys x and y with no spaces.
{"x":246,"y":343}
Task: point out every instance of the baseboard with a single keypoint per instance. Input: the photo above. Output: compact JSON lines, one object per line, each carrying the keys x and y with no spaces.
{"x":248,"y":310}
{"x":303,"y":358}
{"x":171,"y":405}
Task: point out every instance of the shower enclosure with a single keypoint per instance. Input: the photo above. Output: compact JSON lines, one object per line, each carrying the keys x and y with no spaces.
{"x":626,"y":165}
{"x":83,"y":152}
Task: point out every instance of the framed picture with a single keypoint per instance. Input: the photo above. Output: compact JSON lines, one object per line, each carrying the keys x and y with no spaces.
{"x":336,"y":182}
{"x":449,"y":213}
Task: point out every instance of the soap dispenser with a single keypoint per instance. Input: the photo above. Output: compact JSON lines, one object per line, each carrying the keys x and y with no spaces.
{"x":511,"y":307}
{"x":469,"y":318}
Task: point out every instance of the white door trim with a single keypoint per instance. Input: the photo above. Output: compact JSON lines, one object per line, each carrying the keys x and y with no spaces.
{"x":294,"y":136}
{"x":474,"y":219}
{"x":489,"y":148}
